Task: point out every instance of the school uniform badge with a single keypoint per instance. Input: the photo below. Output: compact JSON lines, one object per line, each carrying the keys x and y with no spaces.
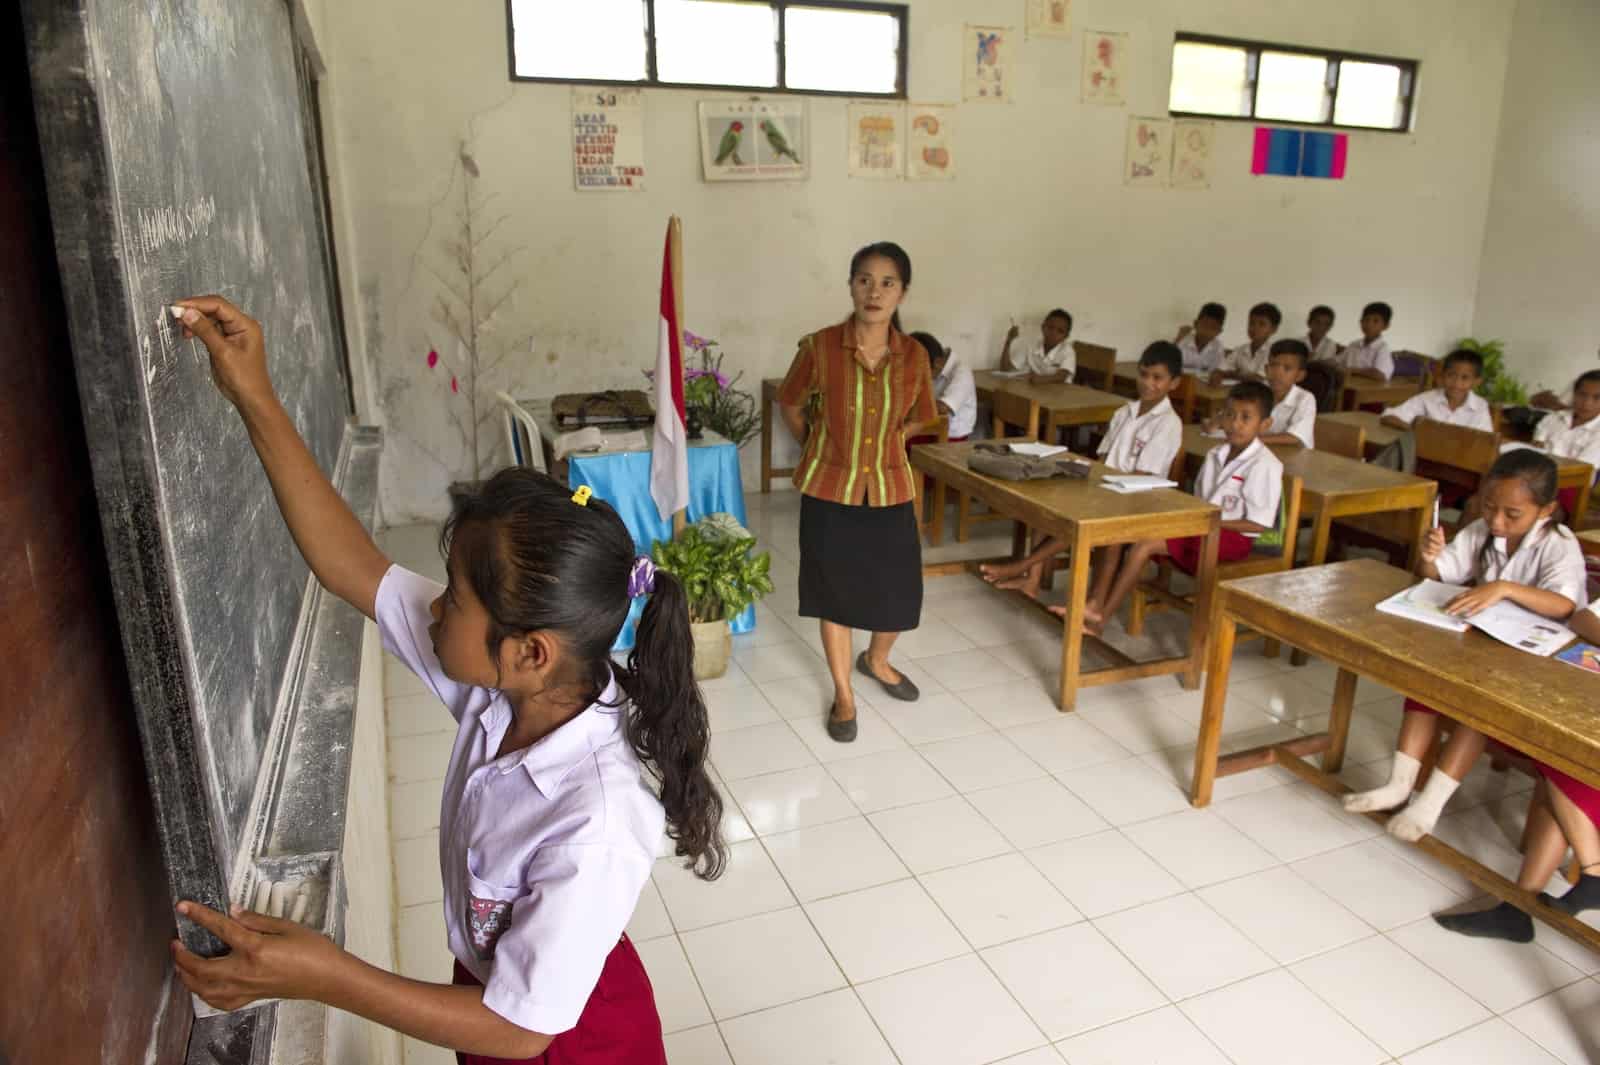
{"x":486,"y":920}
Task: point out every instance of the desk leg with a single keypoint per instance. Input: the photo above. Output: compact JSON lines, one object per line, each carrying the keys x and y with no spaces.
{"x":767,"y":398}
{"x":1205,"y":596}
{"x":1582,"y":504}
{"x":1205,"y":752}
{"x":1344,"y":698}
{"x":1072,"y":630}
{"x":1419,"y":532}
{"x":1320,"y":533}
{"x":936,"y":522}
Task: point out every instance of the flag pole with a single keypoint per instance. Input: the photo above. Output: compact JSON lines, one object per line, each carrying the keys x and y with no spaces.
{"x":675,"y":231}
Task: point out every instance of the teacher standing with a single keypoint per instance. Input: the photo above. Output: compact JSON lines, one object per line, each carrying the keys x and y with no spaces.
{"x":863,"y":382}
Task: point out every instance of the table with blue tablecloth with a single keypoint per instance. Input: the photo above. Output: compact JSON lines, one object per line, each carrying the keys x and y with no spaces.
{"x":622,"y":478}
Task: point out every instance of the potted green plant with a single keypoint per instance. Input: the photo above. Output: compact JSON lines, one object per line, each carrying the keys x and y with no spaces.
{"x":721,"y":577}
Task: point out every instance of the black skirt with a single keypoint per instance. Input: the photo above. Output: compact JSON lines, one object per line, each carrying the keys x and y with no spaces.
{"x":860,"y":567}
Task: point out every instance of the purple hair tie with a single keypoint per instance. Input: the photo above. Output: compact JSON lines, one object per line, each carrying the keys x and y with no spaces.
{"x":642,"y":578}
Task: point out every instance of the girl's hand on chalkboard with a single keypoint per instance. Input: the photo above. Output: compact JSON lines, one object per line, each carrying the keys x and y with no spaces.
{"x":238,"y":352}
{"x":268,"y":958}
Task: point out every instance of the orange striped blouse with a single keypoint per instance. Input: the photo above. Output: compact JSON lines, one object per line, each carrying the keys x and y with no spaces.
{"x":857,"y":445}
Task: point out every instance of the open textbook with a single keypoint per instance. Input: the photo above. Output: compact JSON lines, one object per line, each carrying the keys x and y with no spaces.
{"x":1505,"y":620}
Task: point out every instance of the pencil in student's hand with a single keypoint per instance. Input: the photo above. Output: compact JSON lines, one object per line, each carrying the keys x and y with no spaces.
{"x":1436,"y":512}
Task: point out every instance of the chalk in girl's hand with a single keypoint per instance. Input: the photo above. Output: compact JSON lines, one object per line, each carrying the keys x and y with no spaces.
{"x":177,"y":312}
{"x":1436,"y":512}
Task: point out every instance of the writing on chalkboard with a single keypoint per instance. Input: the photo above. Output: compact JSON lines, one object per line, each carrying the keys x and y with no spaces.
{"x":165,"y":226}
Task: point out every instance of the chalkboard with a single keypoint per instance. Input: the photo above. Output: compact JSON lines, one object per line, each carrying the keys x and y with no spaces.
{"x":178,"y":156}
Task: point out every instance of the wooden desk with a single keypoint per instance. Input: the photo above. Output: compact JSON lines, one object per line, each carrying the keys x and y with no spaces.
{"x":1359,"y":391}
{"x":1542,"y":707}
{"x":769,"y":398}
{"x":1589,"y":540}
{"x":1207,"y":397}
{"x":1061,"y":405}
{"x":1379,"y":436}
{"x":1570,"y":473}
{"x":1125,"y":378}
{"x":1087,"y":516}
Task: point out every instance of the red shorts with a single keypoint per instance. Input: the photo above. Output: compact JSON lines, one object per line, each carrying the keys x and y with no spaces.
{"x":1568,"y":498}
{"x":1185,"y":550}
{"x":1412,"y":706}
{"x":1582,"y":795}
{"x":619,"y":1025}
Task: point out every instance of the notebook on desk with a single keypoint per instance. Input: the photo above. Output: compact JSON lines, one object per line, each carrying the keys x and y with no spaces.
{"x":1505,"y":621}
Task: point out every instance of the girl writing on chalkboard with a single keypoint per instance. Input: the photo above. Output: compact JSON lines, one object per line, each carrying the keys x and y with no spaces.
{"x":547,"y":832}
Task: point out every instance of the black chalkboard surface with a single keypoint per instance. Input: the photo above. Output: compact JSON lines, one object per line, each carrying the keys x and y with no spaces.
{"x":174,"y":134}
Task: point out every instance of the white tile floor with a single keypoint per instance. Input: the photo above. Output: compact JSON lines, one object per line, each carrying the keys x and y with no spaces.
{"x":980,"y":878}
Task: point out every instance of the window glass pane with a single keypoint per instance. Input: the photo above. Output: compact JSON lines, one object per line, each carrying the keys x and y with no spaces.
{"x":1369,"y":95}
{"x":1210,"y":79}
{"x":1292,"y":88}
{"x":841,"y":51}
{"x":716,"y":42}
{"x":598,"y":39}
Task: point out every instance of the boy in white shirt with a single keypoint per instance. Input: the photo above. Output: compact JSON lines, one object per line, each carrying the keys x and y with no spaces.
{"x":1144,"y":437}
{"x":1294,"y":409}
{"x":1241,"y":476}
{"x":1053,"y":358}
{"x":1455,"y":403}
{"x":1370,"y":356}
{"x":1200,"y":344}
{"x":1248,"y":361}
{"x":1319,"y":323}
{"x":1574,"y":433}
{"x":953,"y":387}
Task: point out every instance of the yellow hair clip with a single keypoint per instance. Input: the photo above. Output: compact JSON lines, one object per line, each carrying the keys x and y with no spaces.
{"x":581,"y":496}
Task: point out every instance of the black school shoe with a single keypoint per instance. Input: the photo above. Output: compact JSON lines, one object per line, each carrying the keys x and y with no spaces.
{"x":840,"y":731}
{"x":905,"y":691}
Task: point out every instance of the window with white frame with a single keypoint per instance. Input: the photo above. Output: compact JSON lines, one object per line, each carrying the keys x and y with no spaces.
{"x":809,"y":46}
{"x":1225,"y":78}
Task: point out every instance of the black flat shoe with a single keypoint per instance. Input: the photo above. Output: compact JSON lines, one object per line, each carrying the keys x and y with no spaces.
{"x":841,"y":731}
{"x":905,"y":691}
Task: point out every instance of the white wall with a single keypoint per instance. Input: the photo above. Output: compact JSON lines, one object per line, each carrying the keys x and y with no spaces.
{"x":1038,"y":217}
{"x":1541,"y":249}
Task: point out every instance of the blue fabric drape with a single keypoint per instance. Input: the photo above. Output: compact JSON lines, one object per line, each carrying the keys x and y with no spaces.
{"x":623,"y":480}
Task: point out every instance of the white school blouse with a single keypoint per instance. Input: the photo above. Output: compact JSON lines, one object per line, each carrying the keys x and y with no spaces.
{"x":1359,"y":355}
{"x":1245,"y":359}
{"x":1327,"y":350}
{"x":1474,"y":413}
{"x":1548,"y":558}
{"x":1061,"y":357}
{"x":544,"y":851}
{"x":1247,"y":489}
{"x":1557,"y":435}
{"x":956,"y":389}
{"x":1143,"y":443}
{"x":1296,"y":414}
{"x":1197,"y":359}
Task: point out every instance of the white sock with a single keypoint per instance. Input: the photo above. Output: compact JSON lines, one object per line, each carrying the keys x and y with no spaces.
{"x":1418,"y":819}
{"x":1402,"y":777}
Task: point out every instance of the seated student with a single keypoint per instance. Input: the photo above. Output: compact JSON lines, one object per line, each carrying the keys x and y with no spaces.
{"x":1053,"y":358}
{"x":1574,"y":433}
{"x":1248,"y":361}
{"x":1294,"y":410}
{"x":1144,"y":437}
{"x":1513,"y":552}
{"x":1319,"y":323}
{"x":953,"y":388}
{"x":1369,"y":356}
{"x":1200,"y":344}
{"x":1455,"y":402}
{"x":1562,"y":812}
{"x":1241,"y":476}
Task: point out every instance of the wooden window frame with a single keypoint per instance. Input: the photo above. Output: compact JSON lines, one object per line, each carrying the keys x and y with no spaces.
{"x":1409,"y":69}
{"x":900,"y":11}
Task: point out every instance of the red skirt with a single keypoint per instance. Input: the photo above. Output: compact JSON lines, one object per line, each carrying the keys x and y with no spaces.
{"x":1582,"y":795}
{"x":619,"y":1025}
{"x":1185,"y":550}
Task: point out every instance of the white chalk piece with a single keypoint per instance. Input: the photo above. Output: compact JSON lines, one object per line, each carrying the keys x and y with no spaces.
{"x":263,"y":892}
{"x":302,"y":903}
{"x":177,"y":312}
{"x":280,"y":898}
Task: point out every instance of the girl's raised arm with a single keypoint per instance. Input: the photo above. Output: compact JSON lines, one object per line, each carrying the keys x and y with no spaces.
{"x":336,"y":547}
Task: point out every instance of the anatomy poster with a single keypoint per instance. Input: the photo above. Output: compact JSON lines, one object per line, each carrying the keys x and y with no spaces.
{"x":877,"y":140}
{"x":754,"y":140}
{"x":1149,"y":151}
{"x":1103,"y":65}
{"x":1191,"y":153}
{"x":930,"y":151}
{"x":1049,"y":18}
{"x":607,"y":139}
{"x":986,"y":64}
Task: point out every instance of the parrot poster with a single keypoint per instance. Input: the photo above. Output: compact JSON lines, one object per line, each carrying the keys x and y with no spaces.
{"x":775,"y":139}
{"x":729,"y":147}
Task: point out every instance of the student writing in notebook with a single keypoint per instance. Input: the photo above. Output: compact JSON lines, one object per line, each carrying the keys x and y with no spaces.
{"x":1294,"y":410}
{"x":1052,"y":359}
{"x":1248,"y":361}
{"x":1454,"y":402}
{"x":1144,"y":437}
{"x":1562,"y":813}
{"x":1513,"y":552}
{"x":1241,"y":476}
{"x":1200,"y":344}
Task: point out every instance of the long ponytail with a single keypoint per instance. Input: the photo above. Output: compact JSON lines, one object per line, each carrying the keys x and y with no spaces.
{"x":669,"y":729}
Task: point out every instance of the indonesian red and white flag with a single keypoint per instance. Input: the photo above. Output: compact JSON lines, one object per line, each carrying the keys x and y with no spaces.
{"x":669,"y":449}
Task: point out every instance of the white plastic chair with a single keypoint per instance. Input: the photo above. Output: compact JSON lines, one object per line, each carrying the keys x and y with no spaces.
{"x":522,"y":434}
